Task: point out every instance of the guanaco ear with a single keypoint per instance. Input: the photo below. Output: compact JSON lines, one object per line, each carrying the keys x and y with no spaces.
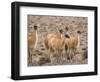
{"x":35,"y":27}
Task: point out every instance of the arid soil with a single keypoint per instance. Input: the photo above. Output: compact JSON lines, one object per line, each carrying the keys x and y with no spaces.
{"x":51,"y":24}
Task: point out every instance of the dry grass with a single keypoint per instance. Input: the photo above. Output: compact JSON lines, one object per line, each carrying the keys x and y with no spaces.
{"x":51,"y":24}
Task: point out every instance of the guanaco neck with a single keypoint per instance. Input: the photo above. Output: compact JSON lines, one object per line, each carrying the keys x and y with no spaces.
{"x":78,"y":36}
{"x":36,"y":38}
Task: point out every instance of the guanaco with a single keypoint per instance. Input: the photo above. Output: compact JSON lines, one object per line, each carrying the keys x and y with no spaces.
{"x":54,"y":43}
{"x":73,"y":43}
{"x":32,"y":42}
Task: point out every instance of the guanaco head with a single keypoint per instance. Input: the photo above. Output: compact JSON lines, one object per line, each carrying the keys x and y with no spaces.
{"x":67,"y":36}
{"x":35,"y":27}
{"x":66,"y":33}
{"x":61,"y":31}
{"x":78,"y":32}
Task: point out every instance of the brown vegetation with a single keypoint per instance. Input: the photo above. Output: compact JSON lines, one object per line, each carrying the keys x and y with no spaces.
{"x":57,"y":34}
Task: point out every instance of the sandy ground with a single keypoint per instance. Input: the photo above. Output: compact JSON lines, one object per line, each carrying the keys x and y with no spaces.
{"x":51,"y":24}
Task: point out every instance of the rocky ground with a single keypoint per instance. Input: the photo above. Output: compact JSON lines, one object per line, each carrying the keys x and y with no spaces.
{"x":51,"y":24}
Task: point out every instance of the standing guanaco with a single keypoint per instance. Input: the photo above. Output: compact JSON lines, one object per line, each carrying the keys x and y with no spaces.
{"x":32,"y":42}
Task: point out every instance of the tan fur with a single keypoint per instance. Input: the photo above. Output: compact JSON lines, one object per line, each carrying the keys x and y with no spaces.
{"x":32,"y":38}
{"x":52,"y":35}
{"x":54,"y":43}
{"x":72,"y":43}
